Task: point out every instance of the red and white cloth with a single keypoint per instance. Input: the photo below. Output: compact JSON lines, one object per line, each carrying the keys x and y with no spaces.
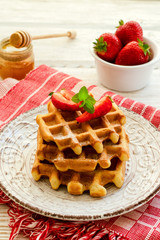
{"x":18,"y":97}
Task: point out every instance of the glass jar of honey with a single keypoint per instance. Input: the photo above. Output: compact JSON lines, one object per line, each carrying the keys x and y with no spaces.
{"x":15,"y":62}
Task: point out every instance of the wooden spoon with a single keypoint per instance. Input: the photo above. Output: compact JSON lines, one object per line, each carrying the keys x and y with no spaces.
{"x":23,"y":39}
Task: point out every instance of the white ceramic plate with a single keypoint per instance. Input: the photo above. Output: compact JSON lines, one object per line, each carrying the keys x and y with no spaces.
{"x":142,"y":178}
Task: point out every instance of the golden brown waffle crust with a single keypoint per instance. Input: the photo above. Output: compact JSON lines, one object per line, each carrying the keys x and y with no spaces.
{"x":83,"y":156}
{"x":77,"y":182}
{"x":88,"y":160}
{"x":62,"y":128}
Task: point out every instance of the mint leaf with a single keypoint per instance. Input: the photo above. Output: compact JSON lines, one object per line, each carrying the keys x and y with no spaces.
{"x":82,"y":104}
{"x":89,"y":107}
{"x":87,"y":101}
{"x":75,"y":98}
{"x":83,"y":94}
{"x":91,"y":99}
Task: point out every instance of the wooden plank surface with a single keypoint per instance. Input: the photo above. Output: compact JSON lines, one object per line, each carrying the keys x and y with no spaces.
{"x":89,"y":18}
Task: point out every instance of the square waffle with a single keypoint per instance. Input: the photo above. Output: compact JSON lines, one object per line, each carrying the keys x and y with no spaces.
{"x":88,"y":160}
{"x":62,"y":128}
{"x":78,"y":182}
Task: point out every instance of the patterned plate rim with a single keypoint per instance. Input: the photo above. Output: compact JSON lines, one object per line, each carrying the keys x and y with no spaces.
{"x":81,"y":217}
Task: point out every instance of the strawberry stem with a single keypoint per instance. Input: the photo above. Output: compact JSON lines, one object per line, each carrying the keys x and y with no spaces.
{"x":121,"y":22}
{"x":50,"y":94}
{"x":111,"y":99}
{"x":145,"y":47}
{"x":100,"y":45}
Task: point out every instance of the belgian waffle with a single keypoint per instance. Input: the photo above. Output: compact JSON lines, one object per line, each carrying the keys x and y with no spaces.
{"x":88,"y":160}
{"x":62,"y":128}
{"x":78,"y":182}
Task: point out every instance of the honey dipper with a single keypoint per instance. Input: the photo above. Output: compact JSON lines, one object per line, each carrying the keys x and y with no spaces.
{"x":23,"y":39}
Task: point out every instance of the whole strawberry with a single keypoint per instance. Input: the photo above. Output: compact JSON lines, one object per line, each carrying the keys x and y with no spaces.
{"x":134,"y":53}
{"x":130,"y":31}
{"x":107,"y":46}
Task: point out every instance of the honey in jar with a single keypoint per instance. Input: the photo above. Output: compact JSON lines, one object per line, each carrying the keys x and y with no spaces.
{"x":15,"y":62}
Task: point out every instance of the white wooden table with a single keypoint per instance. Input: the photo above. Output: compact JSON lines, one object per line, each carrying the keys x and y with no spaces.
{"x":89,"y":18}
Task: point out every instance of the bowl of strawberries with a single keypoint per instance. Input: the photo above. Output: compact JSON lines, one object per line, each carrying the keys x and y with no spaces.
{"x":125,"y":59}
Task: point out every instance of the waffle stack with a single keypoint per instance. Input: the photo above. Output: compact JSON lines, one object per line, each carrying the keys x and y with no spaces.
{"x":83,"y":156}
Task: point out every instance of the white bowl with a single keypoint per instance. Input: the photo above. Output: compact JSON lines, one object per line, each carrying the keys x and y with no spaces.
{"x":126,"y":78}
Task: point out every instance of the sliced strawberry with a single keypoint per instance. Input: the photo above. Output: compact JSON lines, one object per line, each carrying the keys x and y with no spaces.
{"x":68,"y":94}
{"x":101,"y":107}
{"x":63,"y":100}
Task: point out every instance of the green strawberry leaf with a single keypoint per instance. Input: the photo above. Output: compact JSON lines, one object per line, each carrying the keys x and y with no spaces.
{"x":145,"y":47}
{"x":121,"y":22}
{"x":111,"y":99}
{"x":100,"y":45}
{"x":50,"y":94}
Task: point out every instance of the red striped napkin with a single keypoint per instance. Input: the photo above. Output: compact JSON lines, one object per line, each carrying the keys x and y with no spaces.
{"x":18,"y":97}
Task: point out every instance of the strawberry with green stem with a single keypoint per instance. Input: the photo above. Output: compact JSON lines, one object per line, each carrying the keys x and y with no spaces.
{"x":129,"y":31}
{"x":107,"y":46}
{"x":134,"y":53}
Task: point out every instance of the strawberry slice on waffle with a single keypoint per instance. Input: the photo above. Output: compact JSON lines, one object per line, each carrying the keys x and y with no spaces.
{"x":63,"y":100}
{"x":101,"y":107}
